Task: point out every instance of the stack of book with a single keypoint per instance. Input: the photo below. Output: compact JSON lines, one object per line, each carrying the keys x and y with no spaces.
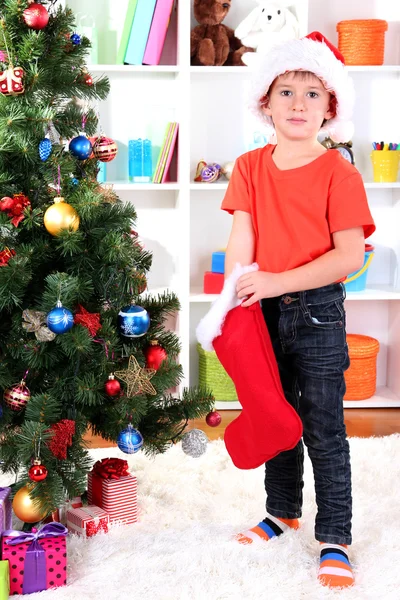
{"x":162,"y":171}
{"x":144,"y":32}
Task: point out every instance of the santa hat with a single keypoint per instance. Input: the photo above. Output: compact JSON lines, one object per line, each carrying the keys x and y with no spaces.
{"x":312,"y":53}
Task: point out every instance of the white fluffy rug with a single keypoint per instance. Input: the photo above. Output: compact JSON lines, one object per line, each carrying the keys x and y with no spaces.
{"x":190,"y":509}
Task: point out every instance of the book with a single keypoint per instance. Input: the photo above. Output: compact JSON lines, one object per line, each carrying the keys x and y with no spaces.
{"x":139,"y":32}
{"x":158,"y":32}
{"x":170,"y":154}
{"x":161,"y":156}
{"x":130,"y":13}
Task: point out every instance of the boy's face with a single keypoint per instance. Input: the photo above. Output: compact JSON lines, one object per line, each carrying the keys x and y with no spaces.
{"x":298,"y":105}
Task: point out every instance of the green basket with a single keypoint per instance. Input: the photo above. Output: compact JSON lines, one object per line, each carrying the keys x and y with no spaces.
{"x":213,"y":375}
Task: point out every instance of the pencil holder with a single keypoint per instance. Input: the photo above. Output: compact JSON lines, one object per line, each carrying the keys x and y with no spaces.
{"x":385,"y":164}
{"x":362,"y":41}
{"x":357,"y":281}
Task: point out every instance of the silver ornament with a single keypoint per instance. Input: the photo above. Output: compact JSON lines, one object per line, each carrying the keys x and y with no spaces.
{"x":194,"y":443}
{"x":227,"y":169}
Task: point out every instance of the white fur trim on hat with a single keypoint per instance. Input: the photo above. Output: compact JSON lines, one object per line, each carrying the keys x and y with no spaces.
{"x":306,"y":55}
{"x":211,"y":324}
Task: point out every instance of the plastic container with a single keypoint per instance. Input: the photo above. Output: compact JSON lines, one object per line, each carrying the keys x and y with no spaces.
{"x":357,"y":281}
{"x":385,"y":164}
{"x":140,"y":160}
{"x":213,"y":376}
{"x":361,"y":376}
{"x":362,"y":42}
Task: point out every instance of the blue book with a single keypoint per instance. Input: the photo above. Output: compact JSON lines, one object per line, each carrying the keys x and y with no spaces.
{"x":140,"y":32}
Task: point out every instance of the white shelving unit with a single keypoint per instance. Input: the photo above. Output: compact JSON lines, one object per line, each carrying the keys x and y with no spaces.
{"x":181,"y":222}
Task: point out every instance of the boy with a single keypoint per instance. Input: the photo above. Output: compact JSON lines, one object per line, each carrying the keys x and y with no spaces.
{"x":301,"y":213}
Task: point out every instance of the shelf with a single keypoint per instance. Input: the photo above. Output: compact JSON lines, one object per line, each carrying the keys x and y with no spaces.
{"x":378,"y":292}
{"x":247,"y":71}
{"x":384,"y":398}
{"x":122,"y":186}
{"x":133,"y":68}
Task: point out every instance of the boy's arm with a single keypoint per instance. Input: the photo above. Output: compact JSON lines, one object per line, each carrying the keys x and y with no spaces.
{"x":241,"y":244}
{"x":346,"y":256}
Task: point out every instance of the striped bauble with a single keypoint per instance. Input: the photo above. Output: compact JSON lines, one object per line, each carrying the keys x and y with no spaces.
{"x":105,"y":149}
{"x":17,"y":396}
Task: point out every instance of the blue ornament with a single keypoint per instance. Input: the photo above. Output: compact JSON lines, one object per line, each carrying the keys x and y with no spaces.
{"x":80,"y":147}
{"x":74,"y":181}
{"x":1,"y":414}
{"x":60,"y":319}
{"x":45,"y":147}
{"x":133,"y":321}
{"x":75,"y":39}
{"x":130,"y":440}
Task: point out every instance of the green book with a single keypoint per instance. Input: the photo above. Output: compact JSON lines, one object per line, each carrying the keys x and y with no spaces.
{"x":130,"y":13}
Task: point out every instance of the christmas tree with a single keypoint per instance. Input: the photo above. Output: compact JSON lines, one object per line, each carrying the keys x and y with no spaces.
{"x":72,"y":275}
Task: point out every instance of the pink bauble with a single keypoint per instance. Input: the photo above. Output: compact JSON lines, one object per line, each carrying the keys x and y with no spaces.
{"x":213,"y":419}
{"x":17,"y":396}
{"x":105,"y":149}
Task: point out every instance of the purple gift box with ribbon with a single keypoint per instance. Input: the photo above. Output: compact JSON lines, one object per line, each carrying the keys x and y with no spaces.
{"x":37,"y":560}
{"x":5,"y":508}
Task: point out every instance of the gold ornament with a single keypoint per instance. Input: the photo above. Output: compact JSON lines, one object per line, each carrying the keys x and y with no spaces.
{"x":25,"y":508}
{"x":137,"y":379}
{"x":59,"y":216}
{"x":35,"y":321}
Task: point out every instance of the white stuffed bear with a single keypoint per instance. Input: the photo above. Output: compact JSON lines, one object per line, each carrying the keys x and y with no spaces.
{"x":267,"y":24}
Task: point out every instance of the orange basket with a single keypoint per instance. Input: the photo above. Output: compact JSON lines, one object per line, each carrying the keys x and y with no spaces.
{"x":362,"y":42}
{"x":361,"y":376}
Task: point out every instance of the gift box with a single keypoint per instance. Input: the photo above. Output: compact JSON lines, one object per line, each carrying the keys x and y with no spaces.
{"x":5,"y":508}
{"x":37,"y":559}
{"x":87,"y":520}
{"x":4,"y":580}
{"x":213,"y":283}
{"x":111,"y":487}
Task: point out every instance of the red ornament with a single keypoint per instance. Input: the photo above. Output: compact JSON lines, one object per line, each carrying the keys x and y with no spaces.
{"x":112,"y":387}
{"x":142,"y":283}
{"x":11,"y":81}
{"x":36,"y":16}
{"x":63,"y":432}
{"x":17,"y":396}
{"x":14,"y":207}
{"x":105,"y":149}
{"x":87,"y":319}
{"x":5,"y":256}
{"x":213,"y":419}
{"x":37,"y":472}
{"x":88,"y":79}
{"x":155,"y":355}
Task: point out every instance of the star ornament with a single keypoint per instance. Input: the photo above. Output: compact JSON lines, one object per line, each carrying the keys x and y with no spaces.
{"x":87,"y":319}
{"x":137,"y":379}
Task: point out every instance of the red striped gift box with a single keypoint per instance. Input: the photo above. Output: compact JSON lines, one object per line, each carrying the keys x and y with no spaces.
{"x":116,"y":495}
{"x":87,"y":520}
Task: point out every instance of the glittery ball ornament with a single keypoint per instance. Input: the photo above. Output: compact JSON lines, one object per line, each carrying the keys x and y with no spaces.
{"x":112,"y":387}
{"x":155,"y":355}
{"x":37,"y":472}
{"x":211,"y":173}
{"x":213,"y":419}
{"x":17,"y":396}
{"x":75,"y":39}
{"x":80,"y":147}
{"x":227,"y":169}
{"x":194,"y":443}
{"x":133,"y":321}
{"x":105,"y":149}
{"x":45,"y":147}
{"x":36,"y":16}
{"x":59,"y":216}
{"x":59,"y":319}
{"x":130,"y":440}
{"x":25,"y":508}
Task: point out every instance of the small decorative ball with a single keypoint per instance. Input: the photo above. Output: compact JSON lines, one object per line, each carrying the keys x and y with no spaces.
{"x":60,"y":215}
{"x":213,"y":419}
{"x":36,"y":16}
{"x":1,"y":411}
{"x":17,"y":396}
{"x":227,"y":169}
{"x":194,"y":443}
{"x":75,"y":39}
{"x":45,"y":147}
{"x":105,"y":149}
{"x":211,"y":173}
{"x":80,"y":147}
{"x":74,"y":181}
{"x":25,"y":508}
{"x":37,"y":472}
{"x":133,"y":321}
{"x":142,"y":284}
{"x":130,"y":440}
{"x":112,"y":387}
{"x":59,"y":319}
{"x":155,"y":355}
{"x":88,"y":79}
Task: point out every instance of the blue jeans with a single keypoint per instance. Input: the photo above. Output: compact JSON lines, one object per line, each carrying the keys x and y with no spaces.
{"x":308,"y":333}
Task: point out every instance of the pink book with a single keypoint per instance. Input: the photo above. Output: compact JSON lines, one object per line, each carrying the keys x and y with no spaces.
{"x":158,"y":31}
{"x":170,"y":154}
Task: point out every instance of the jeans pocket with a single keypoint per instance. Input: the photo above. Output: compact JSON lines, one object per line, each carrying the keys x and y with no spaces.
{"x":329,"y":315}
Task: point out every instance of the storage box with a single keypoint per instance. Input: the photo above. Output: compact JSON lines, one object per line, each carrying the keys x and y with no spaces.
{"x":5,"y":508}
{"x":361,"y":376}
{"x":4,"y":580}
{"x":362,"y":41}
{"x":218,"y":262}
{"x":213,"y":375}
{"x":87,"y":520}
{"x":213,"y":282}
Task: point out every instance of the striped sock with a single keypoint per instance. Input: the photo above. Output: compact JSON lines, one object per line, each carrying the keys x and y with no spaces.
{"x":335,"y":569}
{"x":269,"y":528}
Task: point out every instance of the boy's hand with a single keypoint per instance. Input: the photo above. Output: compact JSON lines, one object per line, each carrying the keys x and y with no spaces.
{"x":257,"y":285}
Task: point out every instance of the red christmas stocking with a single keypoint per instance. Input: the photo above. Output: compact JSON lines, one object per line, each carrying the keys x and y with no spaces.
{"x":267,"y":424}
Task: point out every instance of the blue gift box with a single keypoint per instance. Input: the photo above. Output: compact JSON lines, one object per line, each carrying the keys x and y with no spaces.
{"x":218,"y":262}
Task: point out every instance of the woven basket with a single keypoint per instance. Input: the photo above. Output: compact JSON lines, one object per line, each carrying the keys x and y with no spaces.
{"x":362,"y":42}
{"x":213,"y":375}
{"x":361,"y":375}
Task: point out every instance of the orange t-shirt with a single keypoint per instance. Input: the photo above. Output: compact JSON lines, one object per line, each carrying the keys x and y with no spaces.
{"x":295,"y":212}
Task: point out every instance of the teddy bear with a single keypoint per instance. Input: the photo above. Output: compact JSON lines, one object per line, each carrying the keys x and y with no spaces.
{"x":211,"y":42}
{"x":267,"y":24}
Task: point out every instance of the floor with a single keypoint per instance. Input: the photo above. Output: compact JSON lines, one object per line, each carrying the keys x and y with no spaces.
{"x":360,"y":422}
